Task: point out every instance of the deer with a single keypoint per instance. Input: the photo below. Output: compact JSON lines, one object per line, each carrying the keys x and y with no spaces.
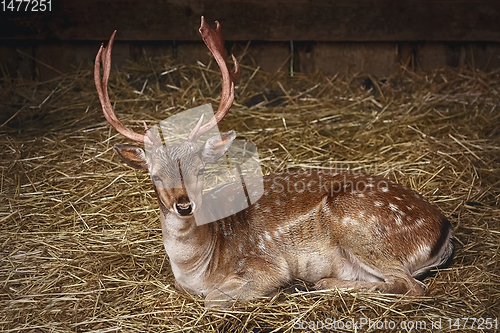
{"x":333,"y":230}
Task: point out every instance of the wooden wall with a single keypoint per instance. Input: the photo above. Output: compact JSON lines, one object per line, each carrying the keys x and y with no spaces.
{"x":335,"y":36}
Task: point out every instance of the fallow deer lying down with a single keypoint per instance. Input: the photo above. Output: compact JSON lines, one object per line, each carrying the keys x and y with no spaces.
{"x":358,"y":232}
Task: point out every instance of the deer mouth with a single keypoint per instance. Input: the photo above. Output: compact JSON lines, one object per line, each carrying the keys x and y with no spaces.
{"x":184,"y":209}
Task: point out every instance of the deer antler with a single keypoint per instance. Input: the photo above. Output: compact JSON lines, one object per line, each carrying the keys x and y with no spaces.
{"x":104,"y":56}
{"x":215,"y":43}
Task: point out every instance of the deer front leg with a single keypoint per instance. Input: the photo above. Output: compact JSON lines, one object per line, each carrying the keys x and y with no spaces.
{"x":395,"y":283}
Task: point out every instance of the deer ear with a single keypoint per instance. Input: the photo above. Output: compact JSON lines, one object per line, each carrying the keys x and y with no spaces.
{"x":217,"y":146}
{"x":132,"y":155}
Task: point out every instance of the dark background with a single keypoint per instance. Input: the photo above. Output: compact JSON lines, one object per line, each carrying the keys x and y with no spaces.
{"x":340,"y":36}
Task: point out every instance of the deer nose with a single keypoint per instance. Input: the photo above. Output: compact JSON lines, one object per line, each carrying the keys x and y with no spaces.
{"x":184,"y":209}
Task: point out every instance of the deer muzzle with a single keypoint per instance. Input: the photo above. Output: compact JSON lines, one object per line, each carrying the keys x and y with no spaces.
{"x":184,"y":207}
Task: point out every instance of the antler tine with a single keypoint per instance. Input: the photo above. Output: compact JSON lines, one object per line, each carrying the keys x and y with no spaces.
{"x":104,"y":56}
{"x":215,"y":43}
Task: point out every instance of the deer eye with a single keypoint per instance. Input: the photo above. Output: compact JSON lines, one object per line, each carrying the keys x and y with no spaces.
{"x":201,"y":171}
{"x":156,"y":178}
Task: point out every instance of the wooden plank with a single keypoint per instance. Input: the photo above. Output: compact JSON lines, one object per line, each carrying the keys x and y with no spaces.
{"x":268,"y":56}
{"x":270,"y":20}
{"x":378,"y":59}
{"x":17,"y":60}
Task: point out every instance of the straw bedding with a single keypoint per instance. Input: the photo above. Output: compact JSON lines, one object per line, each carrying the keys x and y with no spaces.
{"x":80,"y":239}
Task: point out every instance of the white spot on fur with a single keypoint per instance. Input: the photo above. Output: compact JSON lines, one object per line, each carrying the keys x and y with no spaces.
{"x":347,"y":221}
{"x":399,"y":221}
{"x":378,"y":203}
{"x":281,"y":230}
{"x":384,"y":189}
{"x":393,"y":207}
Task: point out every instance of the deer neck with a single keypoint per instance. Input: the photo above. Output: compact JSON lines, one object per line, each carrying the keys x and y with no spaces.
{"x":190,"y":247}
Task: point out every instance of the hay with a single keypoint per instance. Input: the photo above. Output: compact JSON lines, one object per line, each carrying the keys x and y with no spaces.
{"x":81,"y":247}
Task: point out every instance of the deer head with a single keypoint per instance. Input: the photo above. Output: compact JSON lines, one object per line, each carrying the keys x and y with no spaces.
{"x":177,"y":170}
